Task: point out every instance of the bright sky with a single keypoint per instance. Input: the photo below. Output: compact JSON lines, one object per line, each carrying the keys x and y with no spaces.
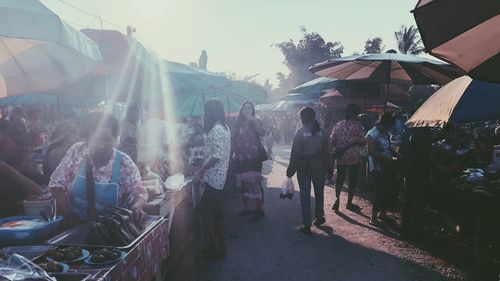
{"x":238,"y":34}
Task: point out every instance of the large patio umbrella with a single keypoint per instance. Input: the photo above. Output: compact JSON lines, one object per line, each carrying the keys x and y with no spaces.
{"x":396,"y":93}
{"x":181,"y":79}
{"x":130,"y":70}
{"x":460,"y":101}
{"x":387,"y":68}
{"x":232,"y":96}
{"x":465,"y":33}
{"x":381,"y":108}
{"x":39,"y":52}
{"x":45,"y":99}
{"x":317,"y":85}
{"x":362,"y":94}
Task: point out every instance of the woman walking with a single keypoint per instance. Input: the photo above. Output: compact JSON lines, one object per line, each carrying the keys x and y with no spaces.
{"x":381,"y":164}
{"x":310,"y":159}
{"x":248,"y":155}
{"x":348,"y":140}
{"x":213,"y":173}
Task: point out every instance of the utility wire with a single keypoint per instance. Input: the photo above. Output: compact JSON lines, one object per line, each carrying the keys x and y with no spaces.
{"x":77,"y":24}
{"x":89,"y":14}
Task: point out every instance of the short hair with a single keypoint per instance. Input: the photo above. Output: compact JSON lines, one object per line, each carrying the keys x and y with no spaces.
{"x":307,"y":114}
{"x":100,"y":120}
{"x":352,"y":110}
{"x":387,"y":120}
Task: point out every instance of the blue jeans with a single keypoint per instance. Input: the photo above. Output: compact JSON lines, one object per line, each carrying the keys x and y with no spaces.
{"x":318,"y":181}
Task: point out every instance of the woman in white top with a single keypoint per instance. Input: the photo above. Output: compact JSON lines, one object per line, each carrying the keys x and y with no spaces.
{"x":213,"y":173}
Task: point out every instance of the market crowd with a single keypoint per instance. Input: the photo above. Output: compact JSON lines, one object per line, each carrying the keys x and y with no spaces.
{"x":127,"y":162}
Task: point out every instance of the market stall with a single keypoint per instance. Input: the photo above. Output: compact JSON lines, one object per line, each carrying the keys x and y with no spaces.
{"x":69,"y":255}
{"x":465,"y":174}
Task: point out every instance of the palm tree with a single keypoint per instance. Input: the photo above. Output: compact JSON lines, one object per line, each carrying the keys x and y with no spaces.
{"x":409,"y":41}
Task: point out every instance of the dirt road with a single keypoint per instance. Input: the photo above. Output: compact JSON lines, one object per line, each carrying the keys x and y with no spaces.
{"x":346,"y":248}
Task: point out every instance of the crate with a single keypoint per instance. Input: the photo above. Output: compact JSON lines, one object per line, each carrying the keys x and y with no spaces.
{"x":35,"y":235}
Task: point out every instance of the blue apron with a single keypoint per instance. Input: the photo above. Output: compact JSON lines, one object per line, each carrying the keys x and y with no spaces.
{"x":106,"y":194}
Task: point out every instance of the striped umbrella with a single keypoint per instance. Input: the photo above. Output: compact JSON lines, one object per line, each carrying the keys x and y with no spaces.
{"x":317,"y":85}
{"x":460,"y":101}
{"x":362,"y":94}
{"x":387,"y":68}
{"x":465,"y":33}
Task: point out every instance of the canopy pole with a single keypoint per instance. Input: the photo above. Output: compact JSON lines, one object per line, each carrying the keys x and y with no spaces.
{"x":386,"y":97}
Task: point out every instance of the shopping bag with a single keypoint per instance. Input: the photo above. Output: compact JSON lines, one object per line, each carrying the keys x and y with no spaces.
{"x":287,"y":189}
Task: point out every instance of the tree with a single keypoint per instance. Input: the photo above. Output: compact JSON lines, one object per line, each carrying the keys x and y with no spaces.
{"x":374,"y":46}
{"x":409,"y":41}
{"x":310,"y":49}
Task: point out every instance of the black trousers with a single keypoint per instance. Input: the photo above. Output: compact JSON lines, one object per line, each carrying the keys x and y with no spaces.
{"x":342,"y":170}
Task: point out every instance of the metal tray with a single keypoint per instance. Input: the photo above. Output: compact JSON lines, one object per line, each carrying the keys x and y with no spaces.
{"x":70,"y":276}
{"x":76,"y":236}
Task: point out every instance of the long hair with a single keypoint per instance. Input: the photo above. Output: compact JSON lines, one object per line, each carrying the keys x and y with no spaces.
{"x":308,"y":115}
{"x":214,"y":112}
{"x":242,"y":117}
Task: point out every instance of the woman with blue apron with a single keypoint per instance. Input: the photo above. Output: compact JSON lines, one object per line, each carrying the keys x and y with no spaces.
{"x":87,"y":198}
{"x":94,"y":175}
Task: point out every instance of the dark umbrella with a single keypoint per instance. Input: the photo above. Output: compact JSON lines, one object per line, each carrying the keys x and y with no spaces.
{"x":387,"y":68}
{"x":465,"y":33}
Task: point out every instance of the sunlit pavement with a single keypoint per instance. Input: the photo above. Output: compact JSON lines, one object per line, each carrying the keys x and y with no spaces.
{"x":345,"y":248}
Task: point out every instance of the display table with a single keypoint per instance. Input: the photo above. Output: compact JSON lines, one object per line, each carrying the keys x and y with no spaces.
{"x":142,"y":262}
{"x":152,"y":253}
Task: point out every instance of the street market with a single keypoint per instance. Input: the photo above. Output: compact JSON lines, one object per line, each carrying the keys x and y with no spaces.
{"x":117,"y":162}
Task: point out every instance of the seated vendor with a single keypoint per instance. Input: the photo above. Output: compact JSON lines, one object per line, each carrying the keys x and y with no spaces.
{"x":116,"y":179}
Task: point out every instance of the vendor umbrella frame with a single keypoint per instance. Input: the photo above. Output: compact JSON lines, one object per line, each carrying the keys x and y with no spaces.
{"x":387,"y":68}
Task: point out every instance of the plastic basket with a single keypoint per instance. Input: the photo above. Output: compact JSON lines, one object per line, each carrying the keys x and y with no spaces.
{"x":35,"y":235}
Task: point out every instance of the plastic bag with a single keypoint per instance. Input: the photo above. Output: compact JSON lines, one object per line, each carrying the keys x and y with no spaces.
{"x":17,"y":267}
{"x":287,"y":189}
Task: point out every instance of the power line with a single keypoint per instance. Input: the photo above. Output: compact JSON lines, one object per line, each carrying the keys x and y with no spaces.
{"x":74,"y":23}
{"x":89,"y":14}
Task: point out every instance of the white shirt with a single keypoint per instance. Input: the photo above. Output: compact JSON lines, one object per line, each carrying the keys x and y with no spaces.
{"x":217,"y":145}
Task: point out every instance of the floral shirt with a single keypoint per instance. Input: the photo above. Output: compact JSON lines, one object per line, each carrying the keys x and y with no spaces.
{"x":217,"y":145}
{"x":130,"y":179}
{"x":345,"y":133}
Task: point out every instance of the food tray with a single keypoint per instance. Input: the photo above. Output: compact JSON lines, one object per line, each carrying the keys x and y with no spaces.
{"x":76,"y":236}
{"x":34,"y":235}
{"x":70,"y":276}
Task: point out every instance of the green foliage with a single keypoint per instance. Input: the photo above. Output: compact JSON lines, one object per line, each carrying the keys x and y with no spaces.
{"x":374,"y":46}
{"x":409,"y":41}
{"x":299,"y":56}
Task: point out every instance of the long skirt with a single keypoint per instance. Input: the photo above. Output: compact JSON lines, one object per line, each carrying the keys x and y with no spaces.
{"x":253,"y":193}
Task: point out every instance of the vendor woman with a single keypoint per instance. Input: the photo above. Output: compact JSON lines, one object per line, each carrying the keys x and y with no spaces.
{"x":116,"y":179}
